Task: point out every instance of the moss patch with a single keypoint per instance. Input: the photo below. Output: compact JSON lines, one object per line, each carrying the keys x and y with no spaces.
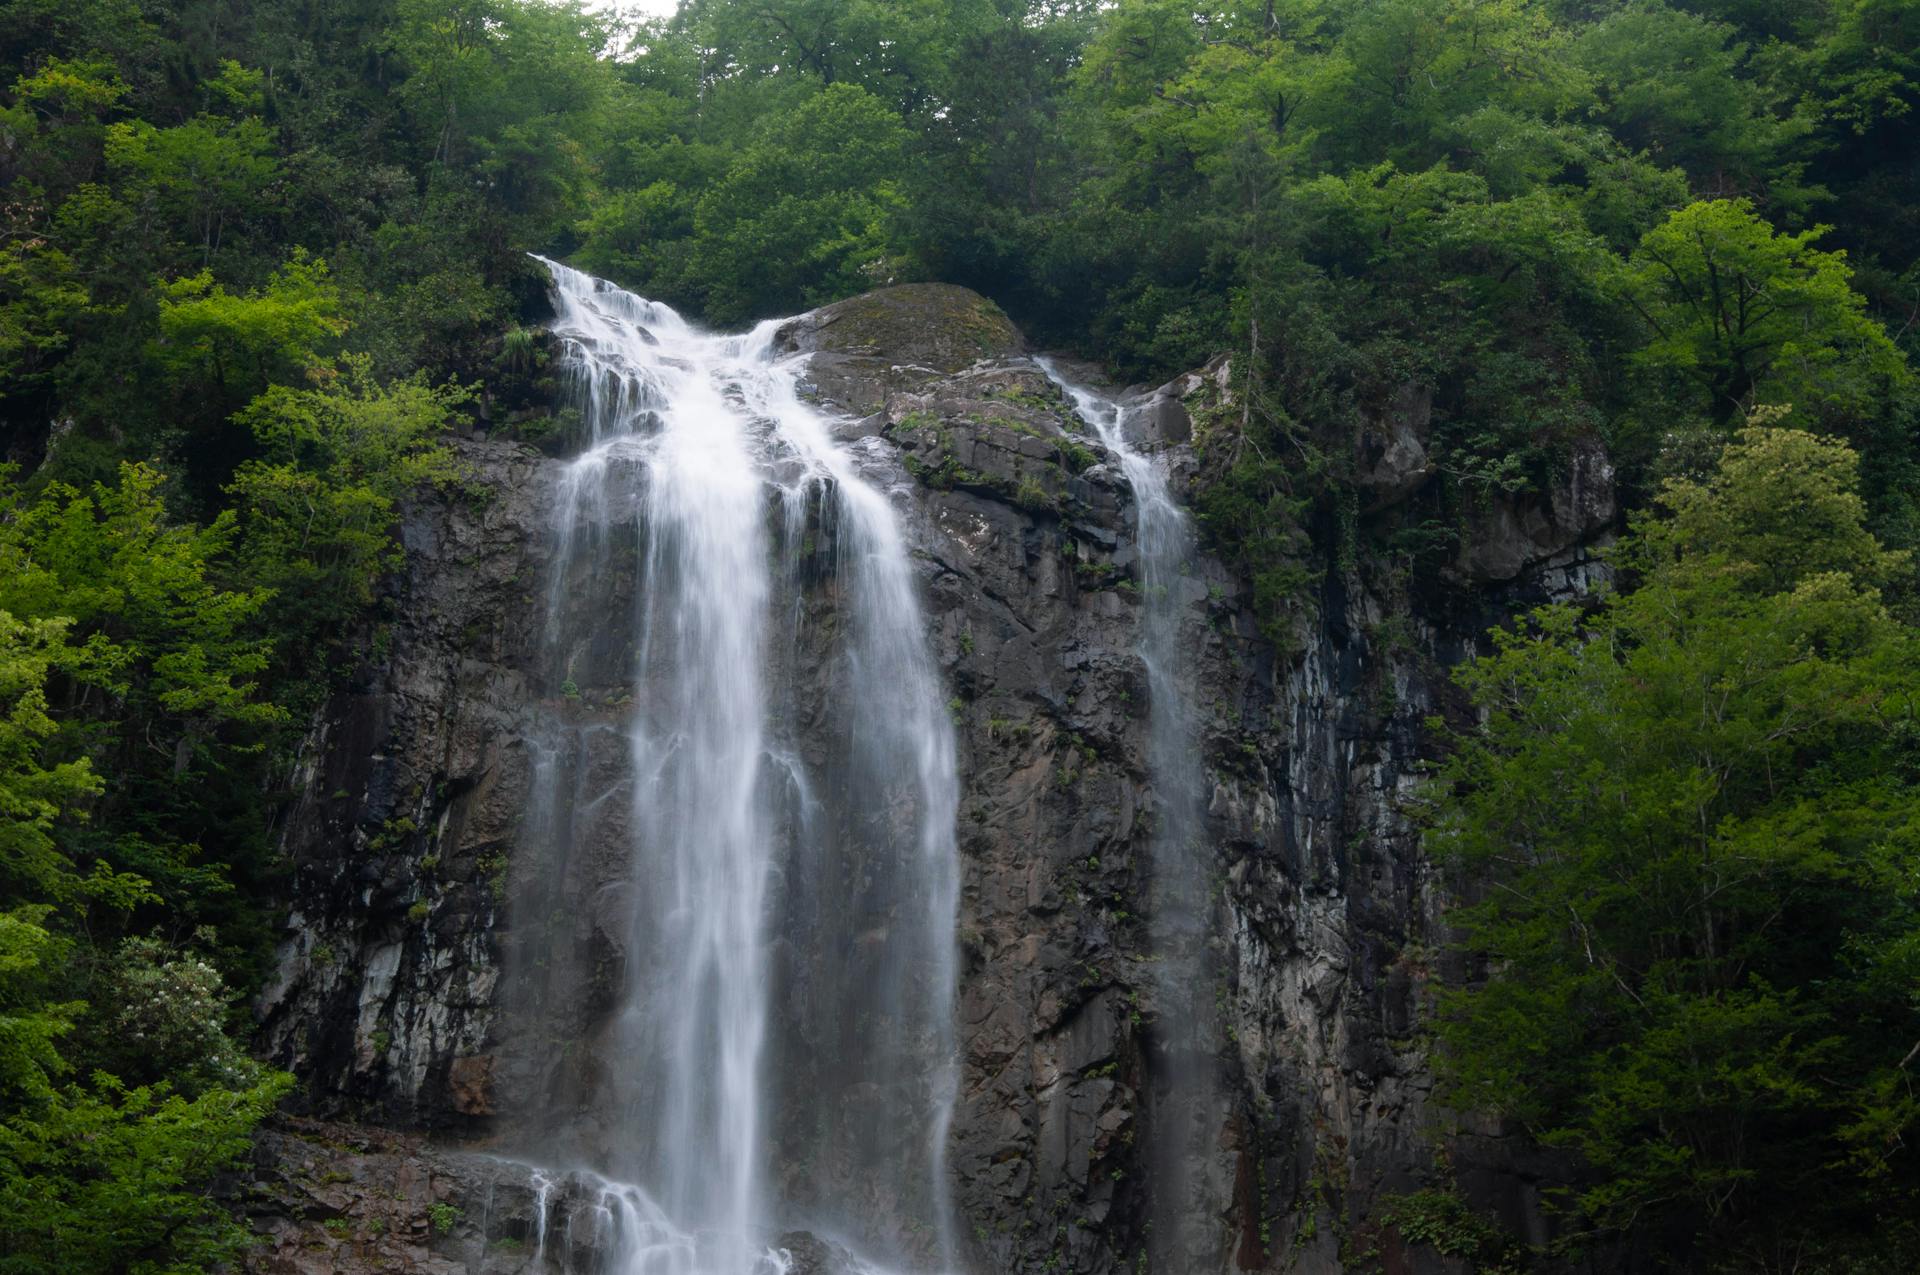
{"x":936,"y":325}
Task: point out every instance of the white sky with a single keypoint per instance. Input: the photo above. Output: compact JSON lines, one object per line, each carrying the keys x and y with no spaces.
{"x":653,"y":8}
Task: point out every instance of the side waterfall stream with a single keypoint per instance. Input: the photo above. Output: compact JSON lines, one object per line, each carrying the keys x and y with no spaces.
{"x":1187,"y":1098}
{"x":730,"y":978}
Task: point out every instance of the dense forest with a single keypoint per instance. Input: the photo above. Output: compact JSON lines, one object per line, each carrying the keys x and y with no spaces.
{"x":257,"y":257}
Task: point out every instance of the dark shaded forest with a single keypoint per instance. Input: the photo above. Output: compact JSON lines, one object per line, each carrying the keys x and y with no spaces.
{"x":257,"y":258}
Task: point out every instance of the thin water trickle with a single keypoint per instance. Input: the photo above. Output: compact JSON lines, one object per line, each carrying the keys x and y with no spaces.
{"x":747,"y":958}
{"x":1187,"y":1099}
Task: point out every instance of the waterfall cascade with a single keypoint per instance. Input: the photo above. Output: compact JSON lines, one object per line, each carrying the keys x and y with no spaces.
{"x":1187,"y":1098}
{"x":731,"y":933}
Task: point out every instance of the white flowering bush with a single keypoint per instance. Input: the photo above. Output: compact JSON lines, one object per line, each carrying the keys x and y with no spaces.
{"x":167,"y":1009}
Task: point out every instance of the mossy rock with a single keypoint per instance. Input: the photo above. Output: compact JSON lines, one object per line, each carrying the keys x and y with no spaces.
{"x":934,"y":325}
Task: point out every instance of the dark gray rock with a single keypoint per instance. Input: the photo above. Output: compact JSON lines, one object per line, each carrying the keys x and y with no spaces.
{"x":410,"y":780}
{"x":1516,"y":533}
{"x":333,"y":1199}
{"x":1391,"y":461}
{"x":811,"y":1255}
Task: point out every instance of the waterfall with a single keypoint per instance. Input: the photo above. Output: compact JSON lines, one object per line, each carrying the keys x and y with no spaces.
{"x":730,"y":937}
{"x":1187,"y":1099}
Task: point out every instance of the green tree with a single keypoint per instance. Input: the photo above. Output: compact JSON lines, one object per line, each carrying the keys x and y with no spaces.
{"x":1690,"y":822}
{"x":119,"y":1179}
{"x":242,"y":344}
{"x":41,"y":299}
{"x":102,"y":1176}
{"x":997,"y":160}
{"x":55,"y":129}
{"x":33,"y":794}
{"x":318,"y":503}
{"x":1406,"y":69}
{"x":1862,"y":70}
{"x":107,"y":1177}
{"x":1670,"y":83}
{"x":31,"y":1023}
{"x":159,"y":687}
{"x":448,"y":47}
{"x":802,"y":217}
{"x":1747,"y":315}
{"x":56,"y":124}
{"x":897,"y":50}
{"x":200,"y":176}
{"x":159,"y":633}
{"x":518,"y":92}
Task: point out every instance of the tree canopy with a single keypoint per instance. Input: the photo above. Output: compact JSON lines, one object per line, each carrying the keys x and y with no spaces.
{"x":1691,"y":821}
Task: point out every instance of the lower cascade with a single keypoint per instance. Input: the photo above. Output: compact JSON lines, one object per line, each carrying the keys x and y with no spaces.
{"x":730,"y":972}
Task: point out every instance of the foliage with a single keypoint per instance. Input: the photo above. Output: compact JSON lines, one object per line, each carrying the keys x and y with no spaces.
{"x":318,"y":501}
{"x":200,"y":174}
{"x":115,"y":1178}
{"x":1444,"y":1221}
{"x":243,"y":344}
{"x":158,"y":635}
{"x":1670,"y":82}
{"x":1689,"y":819}
{"x":800,"y":217}
{"x":168,"y":1019}
{"x":33,"y":794}
{"x":1750,"y":315}
{"x":103,"y":1176}
{"x":31,"y":1025}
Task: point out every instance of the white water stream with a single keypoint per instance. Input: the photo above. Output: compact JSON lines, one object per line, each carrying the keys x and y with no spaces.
{"x":1187,"y":1102}
{"x":751,"y":769}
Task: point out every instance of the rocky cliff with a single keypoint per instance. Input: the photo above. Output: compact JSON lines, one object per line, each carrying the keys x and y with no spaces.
{"x":404,"y":839}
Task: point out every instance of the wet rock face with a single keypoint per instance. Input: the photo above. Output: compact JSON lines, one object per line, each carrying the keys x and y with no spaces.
{"x":1325,"y":933}
{"x":1517,"y":533}
{"x":347,"y":1199}
{"x":400,"y":840}
{"x":331,"y":1199}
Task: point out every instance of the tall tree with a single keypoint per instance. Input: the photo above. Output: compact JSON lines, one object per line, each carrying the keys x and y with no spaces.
{"x":1748,"y":315}
{"x":1691,"y":822}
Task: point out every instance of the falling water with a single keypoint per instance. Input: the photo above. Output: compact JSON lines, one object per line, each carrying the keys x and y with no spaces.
{"x":731,"y":959}
{"x":1188,"y":1102}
